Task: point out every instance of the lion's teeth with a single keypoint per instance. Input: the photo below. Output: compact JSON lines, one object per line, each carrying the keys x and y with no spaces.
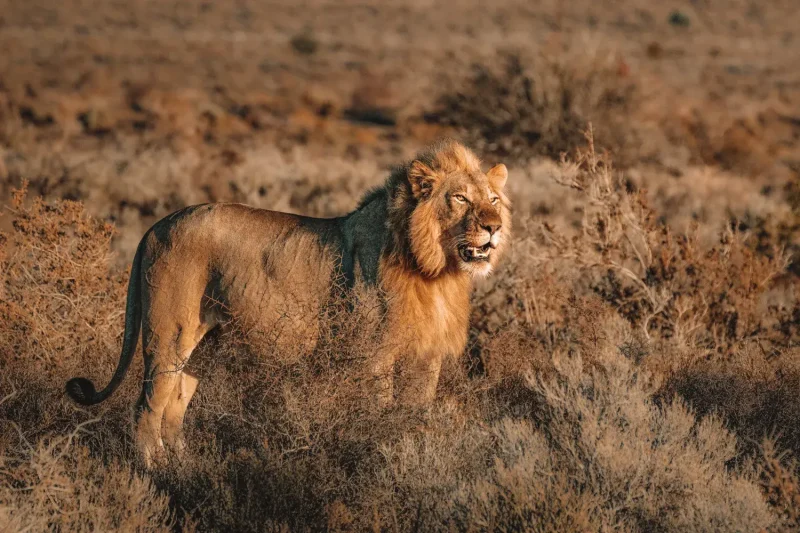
{"x":477,"y":252}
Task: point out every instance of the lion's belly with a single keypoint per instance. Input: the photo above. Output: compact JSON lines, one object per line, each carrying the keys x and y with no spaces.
{"x":278,"y":313}
{"x":274,"y":319}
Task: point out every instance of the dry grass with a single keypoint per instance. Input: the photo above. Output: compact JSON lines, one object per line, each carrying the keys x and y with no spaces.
{"x":633,"y":365}
{"x":55,"y":485}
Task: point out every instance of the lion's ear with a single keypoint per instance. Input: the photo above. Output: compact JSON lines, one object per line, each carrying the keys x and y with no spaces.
{"x":498,"y":175}
{"x":422,"y":179}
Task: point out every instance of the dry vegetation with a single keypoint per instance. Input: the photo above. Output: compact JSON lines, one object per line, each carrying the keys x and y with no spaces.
{"x":633,"y":366}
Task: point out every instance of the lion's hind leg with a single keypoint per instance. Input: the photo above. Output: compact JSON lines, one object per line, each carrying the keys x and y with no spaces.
{"x":176,"y":410}
{"x":166,"y":389}
{"x":160,"y":379}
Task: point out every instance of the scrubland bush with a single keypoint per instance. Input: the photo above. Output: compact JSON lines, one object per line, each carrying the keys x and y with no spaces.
{"x":60,"y":313}
{"x":525,"y":106}
{"x":58,"y":290}
{"x":709,"y":299}
{"x":60,"y":310}
{"x":600,"y":454}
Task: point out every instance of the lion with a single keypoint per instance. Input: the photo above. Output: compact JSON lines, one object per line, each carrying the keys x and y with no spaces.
{"x":435,"y":224}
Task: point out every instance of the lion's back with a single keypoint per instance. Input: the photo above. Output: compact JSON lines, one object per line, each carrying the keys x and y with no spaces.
{"x":266,"y":271}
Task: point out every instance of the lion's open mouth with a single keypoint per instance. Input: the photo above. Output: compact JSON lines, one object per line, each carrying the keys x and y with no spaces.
{"x":471,"y":254}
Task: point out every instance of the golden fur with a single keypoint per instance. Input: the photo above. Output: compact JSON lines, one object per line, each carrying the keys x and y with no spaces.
{"x":437,"y":222}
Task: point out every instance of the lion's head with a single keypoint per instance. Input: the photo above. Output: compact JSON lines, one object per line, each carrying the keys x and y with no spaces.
{"x":455,"y":215}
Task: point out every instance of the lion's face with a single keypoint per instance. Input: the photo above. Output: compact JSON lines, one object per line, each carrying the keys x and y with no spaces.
{"x":464,"y":214}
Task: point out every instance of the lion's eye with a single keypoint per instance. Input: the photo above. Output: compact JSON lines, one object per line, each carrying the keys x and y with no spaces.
{"x":495,"y":200}
{"x":460,"y":198}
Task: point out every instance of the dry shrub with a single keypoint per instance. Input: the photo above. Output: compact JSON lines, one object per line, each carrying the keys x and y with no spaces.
{"x":667,"y":284}
{"x":599,"y":455}
{"x":61,"y":309}
{"x":779,"y":479}
{"x":55,"y":485}
{"x":59,"y":297}
{"x":524,"y":107}
{"x":754,"y":389}
{"x":62,"y":313}
{"x":595,"y":450}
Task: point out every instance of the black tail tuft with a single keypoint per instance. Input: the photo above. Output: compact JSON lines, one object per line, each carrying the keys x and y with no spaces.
{"x":82,"y":391}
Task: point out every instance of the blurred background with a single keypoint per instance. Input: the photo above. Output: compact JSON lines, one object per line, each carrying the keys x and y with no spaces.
{"x":140,"y":107}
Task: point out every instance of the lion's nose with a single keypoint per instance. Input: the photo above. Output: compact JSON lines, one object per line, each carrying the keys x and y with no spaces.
{"x":492,"y":228}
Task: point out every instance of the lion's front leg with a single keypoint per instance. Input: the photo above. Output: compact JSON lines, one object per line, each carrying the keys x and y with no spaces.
{"x":421,"y":381}
{"x":382,"y":375}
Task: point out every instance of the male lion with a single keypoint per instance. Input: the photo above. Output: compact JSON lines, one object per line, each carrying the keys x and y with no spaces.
{"x":436,"y":223}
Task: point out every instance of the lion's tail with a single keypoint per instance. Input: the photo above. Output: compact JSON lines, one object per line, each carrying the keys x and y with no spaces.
{"x":81,"y":389}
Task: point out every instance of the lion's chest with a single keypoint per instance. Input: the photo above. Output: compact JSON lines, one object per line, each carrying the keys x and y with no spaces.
{"x":431,"y":318}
